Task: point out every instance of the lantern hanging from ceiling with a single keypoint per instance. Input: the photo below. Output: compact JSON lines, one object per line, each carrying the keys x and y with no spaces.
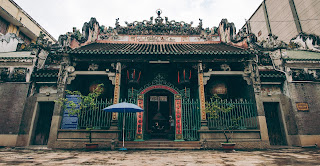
{"x":133,"y":76}
{"x":95,"y":85}
{"x":184,"y":76}
{"x":219,"y":88}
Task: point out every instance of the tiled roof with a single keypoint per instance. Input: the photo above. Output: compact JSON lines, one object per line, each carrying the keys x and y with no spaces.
{"x":271,"y":74}
{"x":297,"y":55}
{"x":156,"y":48}
{"x":17,"y":55}
{"x":45,"y":73}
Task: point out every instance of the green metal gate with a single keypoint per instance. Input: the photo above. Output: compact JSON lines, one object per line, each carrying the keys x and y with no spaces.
{"x":190,"y":119}
{"x":95,"y":117}
{"x":242,"y":116}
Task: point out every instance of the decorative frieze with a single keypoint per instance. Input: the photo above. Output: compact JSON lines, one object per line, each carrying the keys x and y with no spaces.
{"x":19,"y":75}
{"x":305,"y":74}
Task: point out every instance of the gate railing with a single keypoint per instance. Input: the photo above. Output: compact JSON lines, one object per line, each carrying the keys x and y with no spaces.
{"x":95,"y":117}
{"x":190,"y":119}
{"x":130,"y":123}
{"x":242,"y":116}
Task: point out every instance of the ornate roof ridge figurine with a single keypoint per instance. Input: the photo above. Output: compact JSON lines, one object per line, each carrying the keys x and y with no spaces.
{"x":159,"y":26}
{"x":92,"y":31}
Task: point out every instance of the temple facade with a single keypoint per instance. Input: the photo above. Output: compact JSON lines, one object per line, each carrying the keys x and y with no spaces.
{"x":168,"y":68}
{"x":173,"y":70}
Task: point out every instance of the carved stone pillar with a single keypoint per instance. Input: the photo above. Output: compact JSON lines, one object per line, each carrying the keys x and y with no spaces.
{"x":256,"y":83}
{"x":116,"y":94}
{"x":58,"y":111}
{"x":204,"y":122}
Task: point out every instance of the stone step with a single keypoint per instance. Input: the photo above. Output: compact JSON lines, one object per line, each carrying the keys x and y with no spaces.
{"x":161,"y":142}
{"x":161,"y":145}
{"x":163,"y":148}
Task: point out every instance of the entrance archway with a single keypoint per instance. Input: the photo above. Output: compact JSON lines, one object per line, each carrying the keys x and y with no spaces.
{"x":143,"y":98}
{"x":158,"y":110}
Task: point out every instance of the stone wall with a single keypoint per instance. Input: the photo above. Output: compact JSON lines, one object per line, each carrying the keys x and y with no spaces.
{"x":76,"y":139}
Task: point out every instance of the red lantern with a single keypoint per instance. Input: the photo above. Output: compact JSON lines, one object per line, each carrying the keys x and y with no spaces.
{"x":133,"y":76}
{"x":184,"y":77}
{"x":219,"y":88}
{"x":95,"y":86}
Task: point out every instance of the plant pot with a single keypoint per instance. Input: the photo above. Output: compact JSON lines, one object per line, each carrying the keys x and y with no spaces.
{"x":91,"y":146}
{"x":228,"y":146}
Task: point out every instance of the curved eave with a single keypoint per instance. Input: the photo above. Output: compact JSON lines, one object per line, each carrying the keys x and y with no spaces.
{"x":293,"y":59}
{"x":87,"y":52}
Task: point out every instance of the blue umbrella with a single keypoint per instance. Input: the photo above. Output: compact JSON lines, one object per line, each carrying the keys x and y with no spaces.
{"x":123,"y":108}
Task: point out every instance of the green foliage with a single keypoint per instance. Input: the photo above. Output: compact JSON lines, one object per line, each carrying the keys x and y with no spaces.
{"x":214,"y":110}
{"x":85,"y":101}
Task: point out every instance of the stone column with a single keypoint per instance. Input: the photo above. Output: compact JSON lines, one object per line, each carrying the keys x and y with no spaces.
{"x":116,"y":95}
{"x":256,"y":83}
{"x":58,"y":109}
{"x":204,"y":122}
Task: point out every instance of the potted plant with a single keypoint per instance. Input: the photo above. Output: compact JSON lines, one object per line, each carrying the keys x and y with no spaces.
{"x":84,"y":102}
{"x":215,"y":110}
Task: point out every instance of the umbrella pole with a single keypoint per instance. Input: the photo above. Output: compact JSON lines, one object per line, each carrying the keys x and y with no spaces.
{"x":124,"y":114}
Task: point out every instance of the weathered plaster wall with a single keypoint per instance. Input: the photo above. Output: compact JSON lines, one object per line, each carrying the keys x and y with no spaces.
{"x":273,"y":93}
{"x":9,"y":42}
{"x":23,"y":137}
{"x":27,"y":21}
{"x":308,"y":122}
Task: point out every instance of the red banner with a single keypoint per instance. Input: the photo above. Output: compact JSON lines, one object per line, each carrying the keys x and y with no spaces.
{"x":178,"y":116}
{"x":140,"y":117}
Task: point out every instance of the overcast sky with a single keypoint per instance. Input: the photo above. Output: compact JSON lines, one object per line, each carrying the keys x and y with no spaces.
{"x":59,"y":16}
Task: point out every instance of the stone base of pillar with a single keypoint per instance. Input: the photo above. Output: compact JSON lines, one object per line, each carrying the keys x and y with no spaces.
{"x":204,"y":125}
{"x":114,"y":125}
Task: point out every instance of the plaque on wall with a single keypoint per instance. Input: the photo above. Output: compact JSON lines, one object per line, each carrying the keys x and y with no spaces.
{"x":159,"y":98}
{"x":302,"y":106}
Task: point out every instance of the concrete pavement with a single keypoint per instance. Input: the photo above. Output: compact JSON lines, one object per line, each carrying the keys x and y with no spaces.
{"x":43,"y":156}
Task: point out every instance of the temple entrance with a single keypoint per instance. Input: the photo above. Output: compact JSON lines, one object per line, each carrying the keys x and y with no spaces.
{"x":43,"y":124}
{"x":160,"y":114}
{"x":274,"y":123}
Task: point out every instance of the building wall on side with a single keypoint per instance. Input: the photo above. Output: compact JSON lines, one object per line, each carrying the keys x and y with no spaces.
{"x":258,"y":24}
{"x":13,"y":99}
{"x":307,"y":121}
{"x":24,"y":18}
{"x":309,"y":14}
{"x":281,"y":19}
{"x":24,"y":130}
{"x":273,"y":93}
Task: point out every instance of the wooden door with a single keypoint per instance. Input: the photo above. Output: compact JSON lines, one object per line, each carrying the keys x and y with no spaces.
{"x":274,"y":123}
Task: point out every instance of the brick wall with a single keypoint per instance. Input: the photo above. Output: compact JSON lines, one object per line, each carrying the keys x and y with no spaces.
{"x":12,"y":101}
